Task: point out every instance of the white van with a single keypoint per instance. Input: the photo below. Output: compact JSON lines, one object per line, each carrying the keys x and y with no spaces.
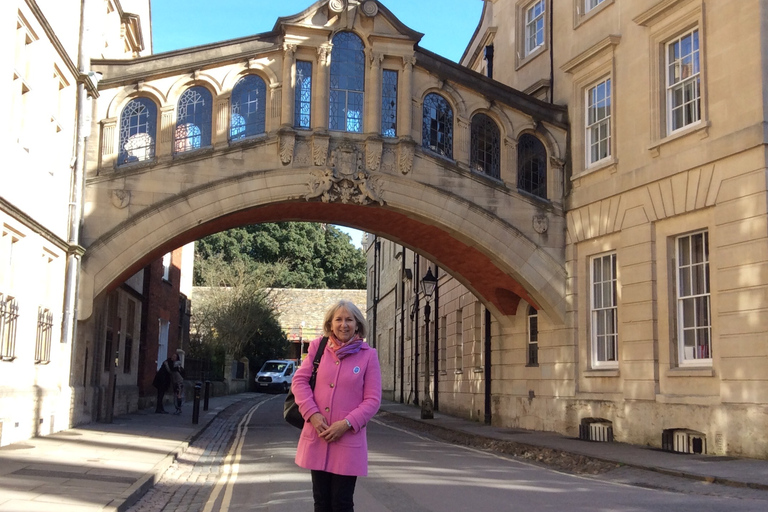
{"x":275,"y":375}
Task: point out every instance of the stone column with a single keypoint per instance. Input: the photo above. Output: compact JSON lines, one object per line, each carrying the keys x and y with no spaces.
{"x":461,"y":140}
{"x":108,"y":145}
{"x":167,"y":126}
{"x":220,"y":130}
{"x":289,"y":84}
{"x":405,"y":98}
{"x":373,"y":95}
{"x":321,"y":88}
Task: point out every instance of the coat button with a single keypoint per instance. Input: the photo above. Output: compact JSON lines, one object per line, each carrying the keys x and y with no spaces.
{"x":337,"y":363}
{"x":327,"y":409}
{"x":331,"y":384}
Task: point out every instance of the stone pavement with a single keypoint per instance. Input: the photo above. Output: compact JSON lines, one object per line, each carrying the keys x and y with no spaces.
{"x":173,"y":463}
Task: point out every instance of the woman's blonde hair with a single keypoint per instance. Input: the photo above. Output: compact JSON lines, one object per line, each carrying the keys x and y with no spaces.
{"x":362,"y":325}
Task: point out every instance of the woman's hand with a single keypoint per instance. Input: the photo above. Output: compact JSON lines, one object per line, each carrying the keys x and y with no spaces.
{"x":335,"y":431}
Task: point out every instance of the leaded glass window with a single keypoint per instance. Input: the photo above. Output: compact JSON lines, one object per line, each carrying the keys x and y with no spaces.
{"x":389,"y":103}
{"x":193,"y":120}
{"x":486,"y":146}
{"x":248,"y":107}
{"x":303,"y":95}
{"x":347,"y":83}
{"x":531,"y":166}
{"x":437,"y":127}
{"x":138,"y":126}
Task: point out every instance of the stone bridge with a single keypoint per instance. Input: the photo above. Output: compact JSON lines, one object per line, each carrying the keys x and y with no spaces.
{"x":338,"y":116}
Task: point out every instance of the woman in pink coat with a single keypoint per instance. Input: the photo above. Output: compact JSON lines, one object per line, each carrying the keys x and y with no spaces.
{"x":333,"y":443}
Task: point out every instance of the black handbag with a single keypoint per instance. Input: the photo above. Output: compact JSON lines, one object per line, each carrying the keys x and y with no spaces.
{"x":290,"y":409}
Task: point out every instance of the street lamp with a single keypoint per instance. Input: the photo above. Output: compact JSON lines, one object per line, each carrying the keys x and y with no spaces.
{"x":428,"y":283}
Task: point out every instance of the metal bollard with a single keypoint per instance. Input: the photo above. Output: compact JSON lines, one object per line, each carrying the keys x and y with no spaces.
{"x":207,"y":394}
{"x":196,"y":403}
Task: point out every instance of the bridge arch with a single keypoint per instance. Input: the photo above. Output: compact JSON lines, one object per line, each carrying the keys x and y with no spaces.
{"x":501,"y":266}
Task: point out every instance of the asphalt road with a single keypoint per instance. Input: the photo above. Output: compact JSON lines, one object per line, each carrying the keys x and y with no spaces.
{"x":410,"y":472}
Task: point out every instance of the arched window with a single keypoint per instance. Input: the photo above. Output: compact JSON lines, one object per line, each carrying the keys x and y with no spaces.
{"x":437,"y":129}
{"x":193,"y":120}
{"x":248,"y":107}
{"x":347,"y":83}
{"x":531,"y":165}
{"x":486,"y":146}
{"x":138,"y":126}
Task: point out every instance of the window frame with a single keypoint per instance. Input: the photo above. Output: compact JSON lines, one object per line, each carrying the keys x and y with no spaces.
{"x":680,"y":301}
{"x":198,"y":125}
{"x":532,"y":337}
{"x":9,"y":320}
{"x":302,"y":100}
{"x":345,"y":94}
{"x":533,"y":192}
{"x":479,"y":144}
{"x":680,"y":85}
{"x":443,"y":117}
{"x":607,"y":119}
{"x":244,"y":90}
{"x":594,"y":313}
{"x":44,"y":336}
{"x":146,"y":126}
{"x":530,"y":27}
{"x":392,"y":109}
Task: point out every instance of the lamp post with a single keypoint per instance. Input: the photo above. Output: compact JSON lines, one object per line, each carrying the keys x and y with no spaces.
{"x":428,"y":283}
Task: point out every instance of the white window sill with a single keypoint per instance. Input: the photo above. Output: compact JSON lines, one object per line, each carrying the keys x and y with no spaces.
{"x":701,"y":127}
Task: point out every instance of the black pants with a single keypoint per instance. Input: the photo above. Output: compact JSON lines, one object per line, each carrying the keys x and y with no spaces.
{"x":160,"y":395}
{"x":333,"y":493}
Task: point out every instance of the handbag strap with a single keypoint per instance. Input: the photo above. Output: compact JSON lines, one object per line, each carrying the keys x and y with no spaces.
{"x":316,"y":362}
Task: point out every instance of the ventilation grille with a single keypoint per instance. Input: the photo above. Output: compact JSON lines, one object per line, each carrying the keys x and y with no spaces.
{"x":596,"y":430}
{"x":684,"y":441}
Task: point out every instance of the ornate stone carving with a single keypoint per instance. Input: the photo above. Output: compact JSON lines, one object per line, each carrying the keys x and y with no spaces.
{"x":345,"y":181}
{"x":373,"y":149}
{"x":388,"y":160}
{"x":370,"y":8}
{"x":324,"y":53}
{"x":337,"y":5}
{"x":302,"y":154}
{"x":320,"y":149}
{"x":120,"y":198}
{"x":287,"y":142}
{"x":540,"y":224}
{"x":405,"y":156}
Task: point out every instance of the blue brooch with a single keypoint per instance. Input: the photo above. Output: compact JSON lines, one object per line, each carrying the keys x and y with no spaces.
{"x":356,"y":370}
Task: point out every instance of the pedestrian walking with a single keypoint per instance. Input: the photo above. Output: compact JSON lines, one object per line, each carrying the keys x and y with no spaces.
{"x":333,"y":444}
{"x":177,"y":378}
{"x":162,"y":382}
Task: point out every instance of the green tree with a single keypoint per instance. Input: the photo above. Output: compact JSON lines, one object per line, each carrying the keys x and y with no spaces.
{"x":236,"y":312}
{"x":294,"y":254}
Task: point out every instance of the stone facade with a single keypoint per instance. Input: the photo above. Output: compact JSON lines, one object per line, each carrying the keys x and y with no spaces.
{"x":667,"y":169}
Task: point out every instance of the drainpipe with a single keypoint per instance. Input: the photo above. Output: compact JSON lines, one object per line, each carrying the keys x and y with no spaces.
{"x":487,"y":349}
{"x":551,"y":53}
{"x":415,"y":344}
{"x":435,"y":347}
{"x":77,"y":192}
{"x":402,"y":323}
{"x":376,"y":252}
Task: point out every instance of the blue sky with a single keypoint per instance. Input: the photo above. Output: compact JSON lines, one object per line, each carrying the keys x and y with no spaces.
{"x":447,"y":25}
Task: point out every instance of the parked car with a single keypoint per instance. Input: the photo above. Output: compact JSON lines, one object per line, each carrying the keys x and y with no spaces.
{"x":275,"y":375}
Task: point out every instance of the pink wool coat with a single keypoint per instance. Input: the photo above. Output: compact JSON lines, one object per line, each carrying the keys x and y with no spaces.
{"x":348,"y":388}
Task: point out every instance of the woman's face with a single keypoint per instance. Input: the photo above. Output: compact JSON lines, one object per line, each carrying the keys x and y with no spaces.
{"x":343,"y":325}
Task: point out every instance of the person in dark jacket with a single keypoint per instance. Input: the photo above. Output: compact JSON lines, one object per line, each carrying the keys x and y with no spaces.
{"x":162,"y":382}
